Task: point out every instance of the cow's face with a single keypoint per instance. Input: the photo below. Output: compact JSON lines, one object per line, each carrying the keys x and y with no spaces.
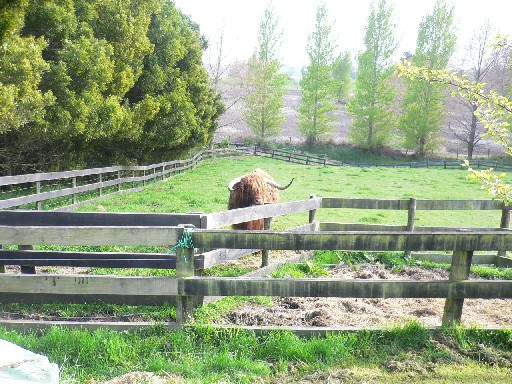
{"x":255,"y":188}
{"x":253,"y":191}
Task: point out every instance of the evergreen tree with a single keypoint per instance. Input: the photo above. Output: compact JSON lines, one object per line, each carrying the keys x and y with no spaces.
{"x":371,"y":106}
{"x":21,"y":69}
{"x":22,"y":102}
{"x":98,"y":82}
{"x":264,"y":102}
{"x":317,"y":83}
{"x":423,"y":103}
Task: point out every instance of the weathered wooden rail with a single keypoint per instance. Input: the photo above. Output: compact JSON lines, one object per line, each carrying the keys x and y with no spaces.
{"x":26,"y":229}
{"x":188,"y":289}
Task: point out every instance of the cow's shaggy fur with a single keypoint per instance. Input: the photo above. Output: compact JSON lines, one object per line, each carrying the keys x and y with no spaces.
{"x":252,"y":190}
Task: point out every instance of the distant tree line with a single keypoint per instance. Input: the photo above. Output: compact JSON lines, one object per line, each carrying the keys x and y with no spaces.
{"x":98,"y":82}
{"x":386,"y":111}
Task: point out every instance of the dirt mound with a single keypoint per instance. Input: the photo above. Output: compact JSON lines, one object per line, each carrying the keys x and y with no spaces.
{"x":338,"y":312}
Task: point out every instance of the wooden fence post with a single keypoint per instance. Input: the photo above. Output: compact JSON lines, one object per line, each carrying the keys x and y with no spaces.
{"x":38,"y":191}
{"x":461,"y":264}
{"x":100,"y":178}
{"x":184,"y":268}
{"x":2,"y":267}
{"x":26,"y":268}
{"x":312,"y":216}
{"x":504,"y":224}
{"x":267,"y":225}
{"x":411,"y":214}
{"x":74,"y":194}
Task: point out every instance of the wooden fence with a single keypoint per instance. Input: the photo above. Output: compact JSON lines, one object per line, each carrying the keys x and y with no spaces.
{"x":197,"y":232}
{"x":298,"y":157}
{"x":69,"y":189}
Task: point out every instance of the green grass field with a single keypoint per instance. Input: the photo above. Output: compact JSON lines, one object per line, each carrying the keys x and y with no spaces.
{"x":205,"y":189}
{"x":205,"y":355}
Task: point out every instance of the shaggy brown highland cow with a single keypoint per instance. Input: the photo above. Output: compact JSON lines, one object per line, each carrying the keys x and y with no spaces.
{"x":255,"y":188}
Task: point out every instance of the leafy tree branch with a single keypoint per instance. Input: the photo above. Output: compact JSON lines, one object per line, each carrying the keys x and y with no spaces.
{"x":493,"y":110}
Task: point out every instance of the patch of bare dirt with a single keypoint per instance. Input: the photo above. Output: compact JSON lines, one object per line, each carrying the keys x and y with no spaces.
{"x":51,"y":270}
{"x":338,"y":312}
{"x":143,"y":378}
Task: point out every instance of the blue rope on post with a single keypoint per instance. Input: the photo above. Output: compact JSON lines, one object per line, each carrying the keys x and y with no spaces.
{"x":184,"y":242}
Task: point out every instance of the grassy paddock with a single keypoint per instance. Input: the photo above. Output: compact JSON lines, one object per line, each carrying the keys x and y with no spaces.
{"x":205,"y":189}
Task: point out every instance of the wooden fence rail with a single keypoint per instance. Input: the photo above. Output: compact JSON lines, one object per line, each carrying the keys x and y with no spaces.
{"x":112,"y":180}
{"x":27,"y":229}
{"x":188,"y":288}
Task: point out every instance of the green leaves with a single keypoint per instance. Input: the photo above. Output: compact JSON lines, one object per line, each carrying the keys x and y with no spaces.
{"x":318,"y":85}
{"x":371,"y":106}
{"x":264,"y":102}
{"x":21,"y":70}
{"x":99,"y":82}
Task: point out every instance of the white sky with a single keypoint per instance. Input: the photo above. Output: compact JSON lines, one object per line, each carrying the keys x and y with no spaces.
{"x":241,"y":18}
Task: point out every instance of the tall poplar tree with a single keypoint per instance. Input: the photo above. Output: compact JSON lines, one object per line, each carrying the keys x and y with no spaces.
{"x":264,"y":102}
{"x":423,"y":103}
{"x":371,"y":106}
{"x":342,"y":73}
{"x":317,"y":83}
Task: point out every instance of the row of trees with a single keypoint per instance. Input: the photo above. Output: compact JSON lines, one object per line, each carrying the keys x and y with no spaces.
{"x":386,"y":110}
{"x":97,"y":82}
{"x":325,"y":80}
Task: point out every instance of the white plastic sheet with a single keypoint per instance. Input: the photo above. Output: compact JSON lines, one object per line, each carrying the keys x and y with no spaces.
{"x":20,"y":366}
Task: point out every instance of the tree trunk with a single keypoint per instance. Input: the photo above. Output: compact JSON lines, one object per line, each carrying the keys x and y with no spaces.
{"x":472,"y":133}
{"x":370,"y":135}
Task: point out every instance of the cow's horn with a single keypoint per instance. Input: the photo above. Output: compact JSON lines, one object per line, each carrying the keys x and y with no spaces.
{"x":231,"y":185}
{"x":278,"y":186}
